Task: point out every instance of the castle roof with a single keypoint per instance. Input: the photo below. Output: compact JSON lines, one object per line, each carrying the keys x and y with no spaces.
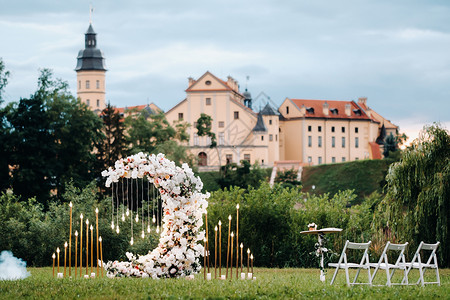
{"x":90,"y":58}
{"x":314,"y":109}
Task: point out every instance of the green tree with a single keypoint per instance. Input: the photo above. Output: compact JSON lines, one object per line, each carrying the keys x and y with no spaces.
{"x":417,"y":202}
{"x":4,"y":75}
{"x":204,"y":126}
{"x":113,"y":144}
{"x":52,"y":137}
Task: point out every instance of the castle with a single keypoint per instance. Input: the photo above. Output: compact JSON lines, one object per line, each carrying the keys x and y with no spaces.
{"x":300,"y":132}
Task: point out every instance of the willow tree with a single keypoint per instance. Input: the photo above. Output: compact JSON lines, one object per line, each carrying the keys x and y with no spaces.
{"x":418,"y":192}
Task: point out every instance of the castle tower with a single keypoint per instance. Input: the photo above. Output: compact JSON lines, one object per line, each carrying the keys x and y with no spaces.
{"x":91,"y":71}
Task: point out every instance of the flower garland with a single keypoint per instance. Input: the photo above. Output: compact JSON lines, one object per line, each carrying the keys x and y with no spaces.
{"x":178,"y":252}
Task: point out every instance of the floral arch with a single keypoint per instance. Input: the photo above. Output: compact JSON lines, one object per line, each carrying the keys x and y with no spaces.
{"x":178,"y":252}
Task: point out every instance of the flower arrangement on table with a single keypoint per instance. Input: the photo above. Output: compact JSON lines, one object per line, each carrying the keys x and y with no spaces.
{"x":178,"y":252}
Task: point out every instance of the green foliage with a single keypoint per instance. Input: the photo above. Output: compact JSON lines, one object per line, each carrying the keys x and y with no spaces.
{"x":287,"y":178}
{"x":271,"y":220}
{"x":204,"y":128}
{"x":390,"y":145}
{"x":362,"y":176}
{"x":52,"y":137}
{"x":418,"y":192}
{"x":113,"y":144}
{"x":242,"y":176}
{"x":4,"y":75}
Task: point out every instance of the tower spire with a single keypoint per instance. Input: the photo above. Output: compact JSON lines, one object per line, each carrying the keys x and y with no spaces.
{"x":91,"y":11}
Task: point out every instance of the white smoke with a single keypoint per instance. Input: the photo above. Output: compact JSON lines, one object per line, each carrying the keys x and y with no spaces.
{"x":12,"y":268}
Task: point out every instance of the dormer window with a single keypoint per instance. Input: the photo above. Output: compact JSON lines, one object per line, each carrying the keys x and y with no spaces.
{"x":334,"y":111}
{"x":357,"y":112}
{"x":310,"y":110}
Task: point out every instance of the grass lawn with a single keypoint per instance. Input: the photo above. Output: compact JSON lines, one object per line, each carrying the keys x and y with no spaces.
{"x":270,"y":283}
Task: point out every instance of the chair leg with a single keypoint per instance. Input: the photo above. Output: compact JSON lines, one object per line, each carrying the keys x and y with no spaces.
{"x":347,"y":277}
{"x":421,"y":276}
{"x":356,"y":277}
{"x":334,"y":276}
{"x":437,"y":276}
{"x":388,"y":276}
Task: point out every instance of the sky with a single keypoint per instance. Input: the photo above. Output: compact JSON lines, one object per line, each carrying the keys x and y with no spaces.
{"x":395,"y":53}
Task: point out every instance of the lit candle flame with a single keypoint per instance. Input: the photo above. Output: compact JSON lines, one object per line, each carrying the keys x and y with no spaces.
{"x":132,"y":242}
{"x":137,"y":218}
{"x":76,"y":232}
{"x":237,"y":206}
{"x":117,"y":229}
{"x":232,"y":234}
{"x":92,"y":227}
{"x":112,"y":225}
{"x":87,"y":221}
{"x":148,"y":228}
{"x":96,"y":210}
{"x":143,"y":234}
{"x":81,"y":216}
{"x":123,"y":217}
{"x":70,"y":204}
{"x":251,"y":256}
{"x":229,"y":217}
{"x":65,"y":245}
{"x":128,"y":212}
{"x":54,"y":256}
{"x":57,"y":250}
{"x":157,"y":229}
{"x":154,"y":219}
{"x":100,"y":239}
{"x":215,"y":228}
{"x":242,"y":245}
{"x":248,"y":250}
{"x":220,"y":223}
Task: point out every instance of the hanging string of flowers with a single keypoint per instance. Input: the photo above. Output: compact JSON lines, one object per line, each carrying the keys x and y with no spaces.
{"x":178,"y":252}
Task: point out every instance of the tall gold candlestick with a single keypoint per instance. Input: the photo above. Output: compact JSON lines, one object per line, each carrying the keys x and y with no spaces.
{"x":57,"y":251}
{"x":92,"y":247}
{"x":81,"y":245}
{"x":220,"y":249}
{"x":101,"y":254}
{"x":237,"y":240}
{"x":53,"y":256}
{"x":228,"y":244}
{"x":242,"y":246}
{"x":65,"y":255}
{"x":251,"y":257}
{"x":204,"y":258}
{"x":87,"y":246}
{"x":76,"y":252}
{"x":248,"y":260}
{"x":215,"y":252}
{"x":231,"y":256}
{"x":96,"y":222}
{"x":70,"y":241}
{"x":207,"y":239}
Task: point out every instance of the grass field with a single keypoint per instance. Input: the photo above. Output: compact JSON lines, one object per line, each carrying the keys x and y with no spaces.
{"x":270,"y":283}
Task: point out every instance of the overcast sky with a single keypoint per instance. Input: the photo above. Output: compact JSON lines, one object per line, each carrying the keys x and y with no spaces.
{"x":396,"y":53}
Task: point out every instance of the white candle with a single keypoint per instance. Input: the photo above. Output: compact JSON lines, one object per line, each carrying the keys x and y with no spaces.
{"x":60,"y":275}
{"x":208,"y":276}
{"x":249,"y":276}
{"x":242,"y":275}
{"x":223,"y":277}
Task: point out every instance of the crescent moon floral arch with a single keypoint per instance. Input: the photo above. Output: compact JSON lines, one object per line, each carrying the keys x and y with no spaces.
{"x":178,"y":252}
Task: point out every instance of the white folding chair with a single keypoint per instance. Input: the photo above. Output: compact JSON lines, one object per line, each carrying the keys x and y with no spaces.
{"x":432,"y":263}
{"x":344,"y":264}
{"x":384,"y":264}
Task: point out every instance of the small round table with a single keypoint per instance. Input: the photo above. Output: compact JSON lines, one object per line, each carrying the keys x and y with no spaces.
{"x":320,"y":234}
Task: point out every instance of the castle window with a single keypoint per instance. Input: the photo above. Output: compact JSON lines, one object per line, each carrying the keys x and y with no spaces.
{"x":247,"y":157}
{"x":309,"y":159}
{"x":221,"y":124}
{"x":262,"y":138}
{"x":270,"y":122}
{"x":88,"y":102}
{"x":309,"y":141}
{"x":333,"y":159}
{"x":229,"y":158}
{"x":287,"y":110}
{"x":221,"y":138}
{"x":319,"y":128}
{"x":98,"y":84}
{"x":276,"y":137}
{"x":309,"y":128}
{"x":356,"y":142}
{"x":79,"y":84}
{"x":319,"y":142}
{"x":202,"y":159}
{"x":333,"y":141}
{"x":88,"y":84}
{"x":180,"y":116}
{"x":98,"y":103}
{"x":270,"y":137}
{"x":332,"y":128}
{"x":195,"y":139}
{"x":343,"y":129}
{"x":356,"y":129}
{"x":207,"y":82}
{"x":236,"y":115}
{"x":320,"y":160}
{"x":208,"y":101}
{"x":343,"y":158}
{"x":343,"y":142}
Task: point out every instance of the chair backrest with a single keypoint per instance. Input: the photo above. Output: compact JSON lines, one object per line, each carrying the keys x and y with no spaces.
{"x":427,"y":247}
{"x":393,"y":247}
{"x":356,"y":246}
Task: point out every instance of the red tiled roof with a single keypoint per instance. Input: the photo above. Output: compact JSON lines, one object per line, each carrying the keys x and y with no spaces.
{"x":317,"y":105}
{"x":375,"y":150}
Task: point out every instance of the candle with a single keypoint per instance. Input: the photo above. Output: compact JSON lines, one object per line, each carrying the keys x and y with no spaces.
{"x":231,"y":256}
{"x":220,"y":248}
{"x":204,"y":258}
{"x":207,"y":238}
{"x":53,"y":256}
{"x":248,"y":260}
{"x":101,"y":254}
{"x":76,"y":252}
{"x":92,"y":247}
{"x":228,"y":244}
{"x":215,"y":252}
{"x":96,"y":222}
{"x":65,"y":255}
{"x":87,"y":246}
{"x":242,"y":246}
{"x":81,"y":245}
{"x":237,"y":241}
{"x":57,"y":251}
{"x":70,"y":240}
{"x":251,"y":258}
